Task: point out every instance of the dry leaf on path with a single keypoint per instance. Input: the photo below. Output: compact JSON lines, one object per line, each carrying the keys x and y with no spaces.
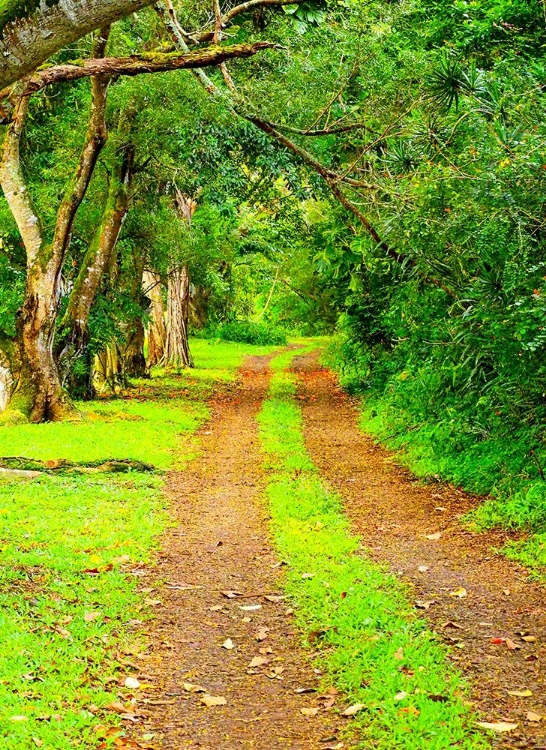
{"x":423,"y":568}
{"x":190,"y":688}
{"x":532,"y":716}
{"x":258,"y":661}
{"x":497,"y":726}
{"x":262,"y":634}
{"x":228,"y":644}
{"x":250,"y":607}
{"x":520,"y":693}
{"x":424,"y":604}
{"x":354,"y":709}
{"x":118,"y":708}
{"x":131,"y":682}
{"x":309,"y":711}
{"x":434,"y":537}
{"x":459,"y":593}
{"x":274,"y":598}
{"x":308,"y":575}
{"x":213,"y":700}
{"x":231,"y":594}
{"x":511,"y":645}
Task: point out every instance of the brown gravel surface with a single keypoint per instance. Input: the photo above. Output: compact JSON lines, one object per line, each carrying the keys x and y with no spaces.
{"x":221,"y":544}
{"x":472,"y":595}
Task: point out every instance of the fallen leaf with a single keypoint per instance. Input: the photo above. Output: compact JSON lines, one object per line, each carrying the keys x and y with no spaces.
{"x":262,"y":634}
{"x":37,"y":741}
{"x":231,"y":594}
{"x":399,"y":654}
{"x":153,"y":602}
{"x":273,"y":598}
{"x":410,"y":710}
{"x":250,"y":607}
{"x":228,"y":644}
{"x":304,"y":690}
{"x":354,"y":709}
{"x":424,"y":604}
{"x":451,"y":624}
{"x":423,"y":568}
{"x":511,"y":645}
{"x":528,"y":638}
{"x":337,"y":746}
{"x":91,"y":616}
{"x":190,"y":688}
{"x":532,"y":716}
{"x":308,"y":575}
{"x":213,"y":700}
{"x":118,"y":707}
{"x":520,"y":693}
{"x":258,"y":661}
{"x":18,"y":718}
{"x":309,"y":711}
{"x":497,"y":641}
{"x":131,"y":682}
{"x":434,"y":537}
{"x":400,"y":696}
{"x":497,"y":726}
{"x":460,"y":593}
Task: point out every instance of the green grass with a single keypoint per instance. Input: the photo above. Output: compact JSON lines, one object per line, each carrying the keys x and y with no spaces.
{"x":373,"y":648}
{"x":490,"y":467}
{"x":68,"y":544}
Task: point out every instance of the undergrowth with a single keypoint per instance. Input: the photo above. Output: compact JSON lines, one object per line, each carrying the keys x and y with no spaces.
{"x":372,"y":646}
{"x":438,"y":436}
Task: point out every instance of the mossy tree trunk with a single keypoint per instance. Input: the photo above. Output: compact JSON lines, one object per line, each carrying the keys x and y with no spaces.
{"x":74,"y":340}
{"x":38,"y":394}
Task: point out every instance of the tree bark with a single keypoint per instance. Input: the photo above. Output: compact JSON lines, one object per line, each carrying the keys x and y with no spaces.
{"x":38,"y":394}
{"x":157,"y":331}
{"x":74,"y":339}
{"x":33,"y":31}
{"x":177,"y":349}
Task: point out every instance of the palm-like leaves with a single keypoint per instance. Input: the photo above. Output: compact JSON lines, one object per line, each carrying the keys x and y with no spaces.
{"x":449,"y":82}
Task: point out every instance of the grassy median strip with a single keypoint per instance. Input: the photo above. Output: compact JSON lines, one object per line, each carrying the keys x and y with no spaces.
{"x":390,"y":669}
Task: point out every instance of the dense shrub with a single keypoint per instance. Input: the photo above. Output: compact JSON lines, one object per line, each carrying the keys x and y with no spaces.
{"x":248,"y":332}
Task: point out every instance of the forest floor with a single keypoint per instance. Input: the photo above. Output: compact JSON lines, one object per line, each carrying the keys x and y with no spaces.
{"x":306,"y":591}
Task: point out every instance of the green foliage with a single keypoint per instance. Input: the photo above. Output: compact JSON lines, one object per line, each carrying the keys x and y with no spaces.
{"x":248,"y":332}
{"x":362,"y":611}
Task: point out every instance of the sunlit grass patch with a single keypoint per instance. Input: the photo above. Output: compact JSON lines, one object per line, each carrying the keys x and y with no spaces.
{"x":371,"y":645}
{"x":66,"y":599}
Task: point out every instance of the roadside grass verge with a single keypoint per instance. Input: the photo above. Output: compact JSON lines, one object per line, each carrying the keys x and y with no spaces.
{"x":491,"y":468}
{"x":71,"y":548}
{"x":446,"y":440}
{"x":370,"y":644}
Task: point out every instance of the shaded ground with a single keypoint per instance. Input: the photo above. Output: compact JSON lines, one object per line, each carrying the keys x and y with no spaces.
{"x":470,"y":594}
{"x":221,"y":544}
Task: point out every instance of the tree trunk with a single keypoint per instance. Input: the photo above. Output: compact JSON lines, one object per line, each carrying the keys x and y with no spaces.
{"x":134,"y":361}
{"x":133,"y":358}
{"x":157,"y":331}
{"x":74,"y":341}
{"x":38,"y":394}
{"x":177,"y":350}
